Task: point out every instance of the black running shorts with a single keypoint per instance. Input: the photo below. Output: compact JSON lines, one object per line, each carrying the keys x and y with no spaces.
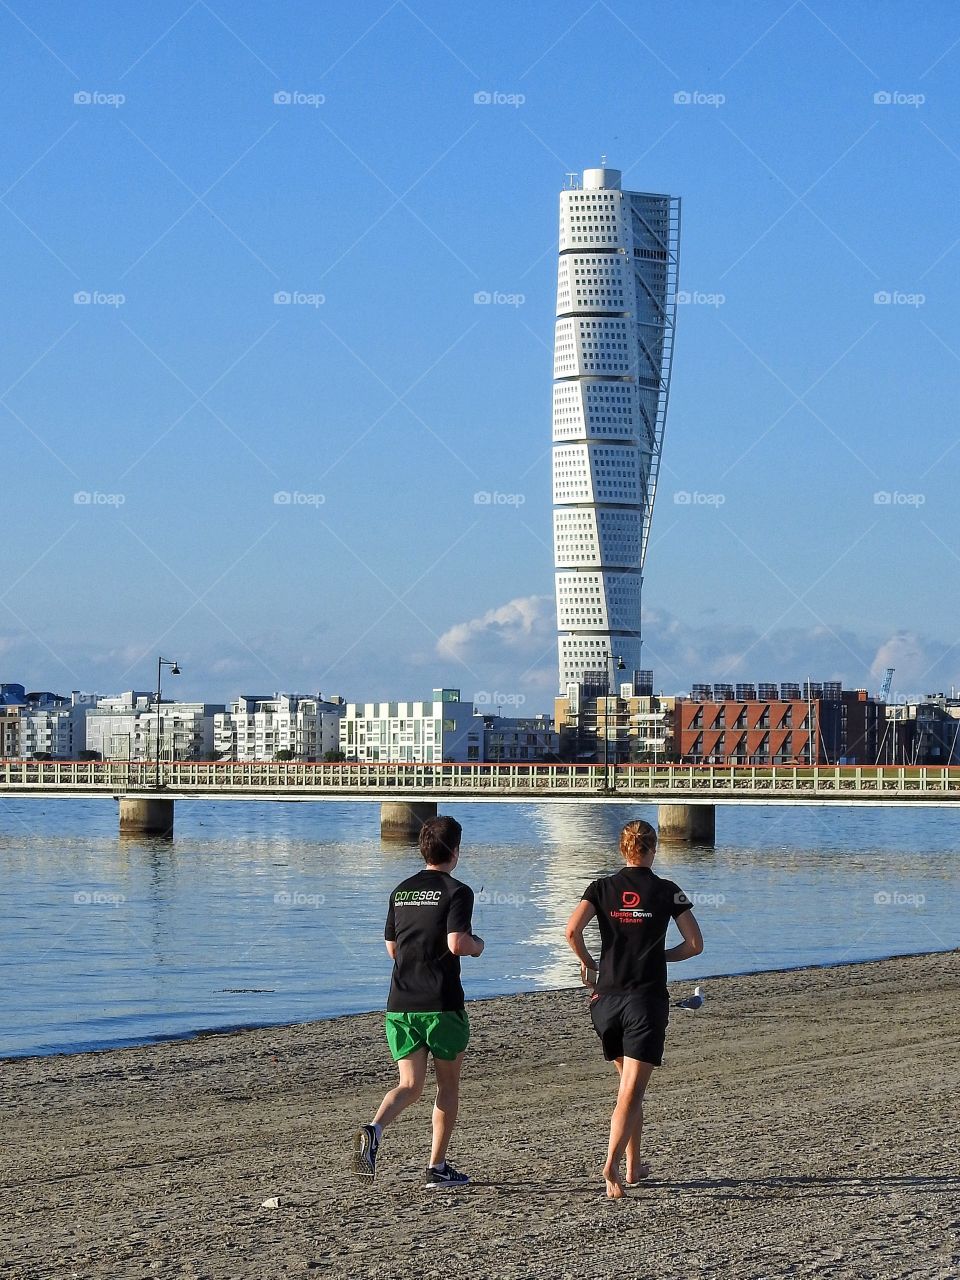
{"x":632,"y":1025}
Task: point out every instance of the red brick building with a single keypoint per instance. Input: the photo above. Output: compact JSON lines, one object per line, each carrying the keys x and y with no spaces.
{"x":843,"y":728}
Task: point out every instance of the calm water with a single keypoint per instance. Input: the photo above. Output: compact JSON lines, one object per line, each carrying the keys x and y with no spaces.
{"x":269,"y":913}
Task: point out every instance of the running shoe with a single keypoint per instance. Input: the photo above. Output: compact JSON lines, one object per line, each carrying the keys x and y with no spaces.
{"x":365,"y":1146}
{"x":445,"y":1176}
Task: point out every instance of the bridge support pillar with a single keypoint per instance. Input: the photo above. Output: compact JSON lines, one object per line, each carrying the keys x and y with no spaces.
{"x":146,"y":816}
{"x":402,"y":820}
{"x":688,"y":823}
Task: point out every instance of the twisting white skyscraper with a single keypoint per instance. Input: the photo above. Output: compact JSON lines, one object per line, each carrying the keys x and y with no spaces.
{"x":616,"y":311}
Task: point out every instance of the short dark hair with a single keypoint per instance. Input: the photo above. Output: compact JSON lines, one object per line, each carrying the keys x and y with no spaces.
{"x":439,"y":839}
{"x":637,"y":840}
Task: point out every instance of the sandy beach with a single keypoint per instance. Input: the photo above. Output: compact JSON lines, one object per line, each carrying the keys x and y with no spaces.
{"x":803,"y":1124}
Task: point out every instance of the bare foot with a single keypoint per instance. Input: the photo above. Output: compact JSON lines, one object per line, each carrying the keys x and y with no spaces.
{"x":614,"y":1186}
{"x":637,"y":1173}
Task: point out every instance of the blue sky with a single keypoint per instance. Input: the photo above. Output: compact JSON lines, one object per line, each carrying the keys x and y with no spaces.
{"x":384,"y":197}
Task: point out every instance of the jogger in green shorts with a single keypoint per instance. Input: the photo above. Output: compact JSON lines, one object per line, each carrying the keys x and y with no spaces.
{"x":428,"y":929}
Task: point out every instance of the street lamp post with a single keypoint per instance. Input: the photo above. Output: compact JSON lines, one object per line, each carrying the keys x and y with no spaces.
{"x":613,"y":661}
{"x":174,"y":671}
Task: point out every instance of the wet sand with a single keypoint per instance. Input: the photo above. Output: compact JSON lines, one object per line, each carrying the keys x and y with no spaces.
{"x":803,"y":1124}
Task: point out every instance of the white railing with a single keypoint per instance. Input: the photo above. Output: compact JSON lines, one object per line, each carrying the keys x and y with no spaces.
{"x":275,"y":780}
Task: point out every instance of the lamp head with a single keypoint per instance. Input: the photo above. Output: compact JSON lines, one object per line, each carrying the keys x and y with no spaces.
{"x":174,"y":670}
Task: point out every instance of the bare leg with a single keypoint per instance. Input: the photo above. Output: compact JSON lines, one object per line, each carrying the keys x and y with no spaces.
{"x":413,"y":1072}
{"x":446,"y":1106}
{"x":636,"y":1169}
{"x":634,"y":1075}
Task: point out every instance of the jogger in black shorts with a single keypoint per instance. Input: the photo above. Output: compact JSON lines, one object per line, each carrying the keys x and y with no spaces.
{"x":630,"y":1007}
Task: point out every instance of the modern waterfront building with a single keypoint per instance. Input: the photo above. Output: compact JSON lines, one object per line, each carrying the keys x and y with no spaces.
{"x":260,"y":728}
{"x":9,"y":732}
{"x":817,"y":722}
{"x":632,"y":725}
{"x":922,"y":732}
{"x":445,"y":728}
{"x":124,"y":727}
{"x":520,"y":738}
{"x":427,"y":732}
{"x":616,"y":313}
{"x":38,"y":725}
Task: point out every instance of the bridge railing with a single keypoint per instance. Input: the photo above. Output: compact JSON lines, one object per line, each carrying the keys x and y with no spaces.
{"x":668,"y":780}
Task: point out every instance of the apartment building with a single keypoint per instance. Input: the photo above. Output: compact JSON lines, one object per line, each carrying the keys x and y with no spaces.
{"x":126,"y":726}
{"x":261,"y":727}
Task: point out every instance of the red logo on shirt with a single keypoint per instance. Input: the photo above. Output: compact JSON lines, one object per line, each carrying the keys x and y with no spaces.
{"x":629,"y":898}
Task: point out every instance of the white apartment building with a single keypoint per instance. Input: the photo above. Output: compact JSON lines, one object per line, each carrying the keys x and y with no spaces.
{"x":257,"y":728}
{"x":428,"y":732}
{"x":616,"y":310}
{"x":124,"y":727}
{"x":43,"y":724}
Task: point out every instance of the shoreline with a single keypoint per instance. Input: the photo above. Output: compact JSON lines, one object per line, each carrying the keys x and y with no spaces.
{"x":240,"y":1028}
{"x":798,"y":1128}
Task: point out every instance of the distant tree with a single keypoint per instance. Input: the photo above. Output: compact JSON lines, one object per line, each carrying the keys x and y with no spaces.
{"x":333,"y":756}
{"x":284,"y":755}
{"x":89,"y":755}
{"x":42,"y":755}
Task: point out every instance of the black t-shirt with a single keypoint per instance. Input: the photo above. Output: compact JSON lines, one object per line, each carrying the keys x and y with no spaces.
{"x":422,"y":911}
{"x":634,"y":908}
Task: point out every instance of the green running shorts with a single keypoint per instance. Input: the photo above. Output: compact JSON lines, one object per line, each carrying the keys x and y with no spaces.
{"x":445,"y":1034}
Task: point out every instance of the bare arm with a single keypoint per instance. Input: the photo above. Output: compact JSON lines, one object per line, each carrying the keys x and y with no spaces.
{"x":391,"y":949}
{"x":692,"y":943}
{"x":581,"y":917}
{"x":465,"y":944}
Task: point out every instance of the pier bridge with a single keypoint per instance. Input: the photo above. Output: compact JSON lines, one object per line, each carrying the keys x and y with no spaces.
{"x":686,"y":795}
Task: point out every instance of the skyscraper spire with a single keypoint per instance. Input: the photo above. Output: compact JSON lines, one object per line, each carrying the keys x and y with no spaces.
{"x":616,"y":313}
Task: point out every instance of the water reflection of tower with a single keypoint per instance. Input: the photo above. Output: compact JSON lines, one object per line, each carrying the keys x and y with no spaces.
{"x":582,"y":843}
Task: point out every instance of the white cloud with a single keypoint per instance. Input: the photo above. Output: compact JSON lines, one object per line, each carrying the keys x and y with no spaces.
{"x":922,"y":664}
{"x":521,"y":624}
